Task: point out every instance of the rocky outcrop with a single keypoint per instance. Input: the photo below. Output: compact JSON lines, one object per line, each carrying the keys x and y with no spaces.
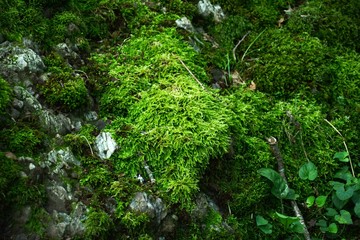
{"x":26,"y":104}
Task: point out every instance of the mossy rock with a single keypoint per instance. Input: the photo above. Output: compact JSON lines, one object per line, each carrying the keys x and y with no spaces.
{"x":170,"y":122}
{"x":65,"y":91}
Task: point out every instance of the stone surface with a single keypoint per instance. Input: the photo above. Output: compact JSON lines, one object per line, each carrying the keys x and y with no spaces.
{"x":105,"y":145}
{"x":153,"y":207}
{"x":52,"y":123}
{"x":206,"y":9}
{"x":60,"y":160}
{"x":65,"y":51}
{"x":185,"y":23}
{"x":14,"y":58}
{"x":57,"y":197}
{"x":67,"y":226}
{"x":91,"y":116}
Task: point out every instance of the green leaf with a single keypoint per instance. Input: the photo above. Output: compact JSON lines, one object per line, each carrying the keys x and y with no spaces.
{"x":263,"y":225}
{"x":310,"y":201}
{"x":344,"y":217}
{"x":260,"y":220}
{"x":339,"y":204}
{"x":331,"y":212}
{"x":342,"y":156}
{"x":308,"y":171}
{"x":344,"y":174}
{"x":297,"y":227}
{"x":280,"y":189}
{"x":357,"y":209}
{"x":356,"y":197}
{"x":269,"y":173}
{"x":344,"y":194}
{"x":321,"y":223}
{"x":320,"y":201}
{"x":336,"y":185}
{"x":333,"y":228}
{"x":286,"y":220}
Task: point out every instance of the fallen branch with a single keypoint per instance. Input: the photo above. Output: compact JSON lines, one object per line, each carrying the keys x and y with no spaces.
{"x":234,"y":49}
{"x":276,"y":152}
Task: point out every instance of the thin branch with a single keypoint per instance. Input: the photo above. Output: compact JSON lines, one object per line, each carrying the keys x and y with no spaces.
{"x":346,"y":148}
{"x":192,"y":74}
{"x":276,"y":152}
{"x":237,"y":45}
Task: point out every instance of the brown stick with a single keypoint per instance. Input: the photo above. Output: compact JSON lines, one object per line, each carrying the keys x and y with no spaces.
{"x":276,"y":152}
{"x":234,"y":49}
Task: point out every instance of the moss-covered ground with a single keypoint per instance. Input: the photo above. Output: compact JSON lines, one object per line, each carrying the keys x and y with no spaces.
{"x":298,"y":65}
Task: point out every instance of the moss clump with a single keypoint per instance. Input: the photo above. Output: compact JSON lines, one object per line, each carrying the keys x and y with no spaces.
{"x":65,"y":90}
{"x":21,"y":139}
{"x":98,"y":224}
{"x":4,"y":93}
{"x":331,"y":21}
{"x":81,"y":142}
{"x":286,"y":65}
{"x":167,"y":120}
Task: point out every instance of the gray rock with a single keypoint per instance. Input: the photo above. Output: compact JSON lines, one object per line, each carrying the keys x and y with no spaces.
{"x":30,"y":103}
{"x":205,"y":205}
{"x":67,"y":226}
{"x":154,"y":208}
{"x":169,"y":224}
{"x":57,"y":197}
{"x":91,"y":116}
{"x":18,"y":104}
{"x":66,"y":52}
{"x":15,"y":114}
{"x":59,"y":160}
{"x":206,"y":9}
{"x":53,"y":124}
{"x":105,"y":145}
{"x":14,"y":58}
{"x":185,"y":23}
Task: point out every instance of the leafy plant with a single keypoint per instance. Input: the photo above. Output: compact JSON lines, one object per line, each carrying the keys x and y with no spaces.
{"x":280,"y":188}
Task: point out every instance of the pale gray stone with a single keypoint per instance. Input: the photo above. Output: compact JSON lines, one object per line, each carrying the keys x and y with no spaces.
{"x":105,"y":145}
{"x":205,"y":8}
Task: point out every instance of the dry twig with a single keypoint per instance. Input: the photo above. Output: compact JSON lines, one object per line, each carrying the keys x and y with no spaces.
{"x":276,"y":152}
{"x":237,"y":45}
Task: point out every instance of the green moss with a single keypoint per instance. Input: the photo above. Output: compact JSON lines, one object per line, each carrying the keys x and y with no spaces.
{"x":65,"y":91}
{"x":98,"y":224}
{"x":21,"y":139}
{"x":286,"y":64}
{"x":4,"y":94}
{"x":333,"y":22}
{"x":81,"y":142}
{"x":170,"y":121}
